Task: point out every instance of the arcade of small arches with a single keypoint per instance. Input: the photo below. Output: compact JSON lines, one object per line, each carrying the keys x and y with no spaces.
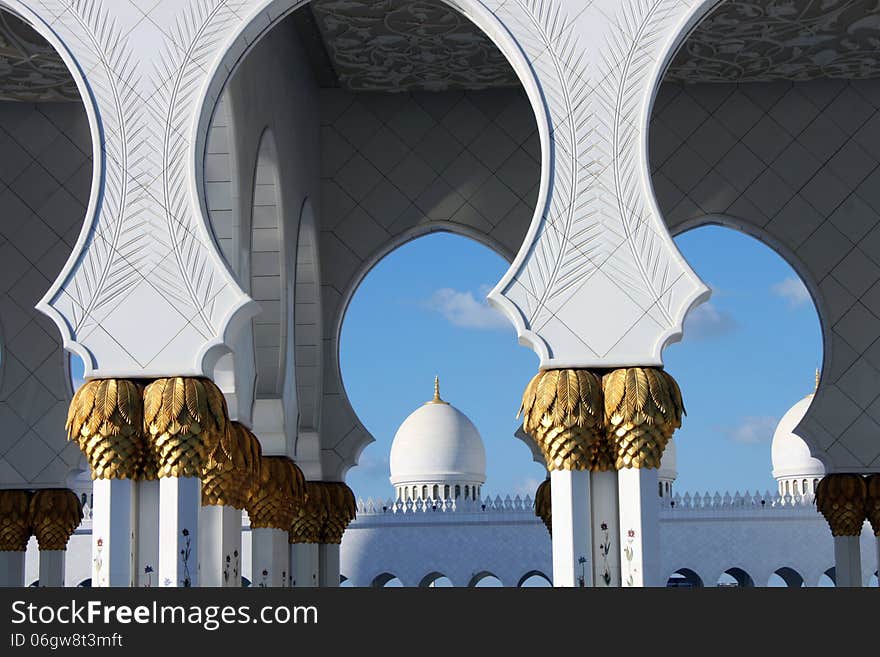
{"x":242,"y":255}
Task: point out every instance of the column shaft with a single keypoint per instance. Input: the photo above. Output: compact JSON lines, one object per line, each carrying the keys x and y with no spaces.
{"x":572,"y":544}
{"x":12,"y":568}
{"x":847,"y":561}
{"x":52,"y":568}
{"x":179,"y":504}
{"x":304,"y":564}
{"x":606,"y":530}
{"x":270,"y":557}
{"x":220,"y":546}
{"x":328,"y":560}
{"x":147,"y":555}
{"x":113,"y":526}
{"x":639,"y":527}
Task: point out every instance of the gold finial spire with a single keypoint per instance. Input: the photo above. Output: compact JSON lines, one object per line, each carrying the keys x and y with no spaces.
{"x":437,"y":399}
{"x":817,"y":380}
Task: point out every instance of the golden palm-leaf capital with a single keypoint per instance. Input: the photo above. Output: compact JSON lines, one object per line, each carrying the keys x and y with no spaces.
{"x":543,"y":504}
{"x":643,"y":408}
{"x":843,"y":500}
{"x":105,"y":419}
{"x":15,"y":520}
{"x":872,"y":484}
{"x":55,"y":515}
{"x":184,"y":419}
{"x":341,"y":510}
{"x":232,"y":468}
{"x":562,"y":410}
{"x":311,"y":515}
{"x":277,"y":494}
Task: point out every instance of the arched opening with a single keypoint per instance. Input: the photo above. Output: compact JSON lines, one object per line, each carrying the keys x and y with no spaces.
{"x":786,"y":577}
{"x":735,"y":577}
{"x":534,"y":579}
{"x":684,"y":578}
{"x":765,"y":120}
{"x":828,"y":579}
{"x":344,"y":582}
{"x":435,"y":580}
{"x":748,"y":357}
{"x":413,"y":317}
{"x":386,"y":580}
{"x":485,"y":579}
{"x":438,"y":133}
{"x":47,"y":179}
{"x":85,"y":584}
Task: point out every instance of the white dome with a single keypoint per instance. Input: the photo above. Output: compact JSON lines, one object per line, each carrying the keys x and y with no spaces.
{"x":790,"y":454}
{"x":668,"y":463}
{"x":437,"y":443}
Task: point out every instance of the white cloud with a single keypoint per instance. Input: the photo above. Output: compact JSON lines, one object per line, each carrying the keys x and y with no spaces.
{"x":792,"y":290}
{"x":708,"y":321}
{"x":527,"y":487}
{"x":753,"y":429}
{"x":461,"y":308}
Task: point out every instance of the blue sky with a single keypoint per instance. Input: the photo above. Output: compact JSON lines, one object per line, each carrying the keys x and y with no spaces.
{"x":747,"y":356}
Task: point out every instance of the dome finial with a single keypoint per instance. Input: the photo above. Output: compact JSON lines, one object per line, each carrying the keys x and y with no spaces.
{"x":817,"y":380}
{"x":437,"y":399}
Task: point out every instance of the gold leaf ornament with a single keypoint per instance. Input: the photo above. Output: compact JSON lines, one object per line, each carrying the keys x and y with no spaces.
{"x":543,"y":506}
{"x":55,"y":515}
{"x":562,"y":410}
{"x":105,"y":420}
{"x":341,"y":510}
{"x":872,"y":482}
{"x":643,"y":408}
{"x":312,"y":515}
{"x":15,"y":520}
{"x":232,"y":469}
{"x":184,"y":419}
{"x":279,"y":490}
{"x":843,"y":500}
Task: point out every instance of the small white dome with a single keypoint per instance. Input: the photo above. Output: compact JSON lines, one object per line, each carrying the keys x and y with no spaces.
{"x":791,"y":455}
{"x":668,"y":463}
{"x":437,"y":443}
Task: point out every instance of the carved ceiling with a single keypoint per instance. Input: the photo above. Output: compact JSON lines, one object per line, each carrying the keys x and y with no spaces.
{"x":402,"y":45}
{"x":763,"y":40}
{"x":406,"y":45}
{"x":30,"y":69}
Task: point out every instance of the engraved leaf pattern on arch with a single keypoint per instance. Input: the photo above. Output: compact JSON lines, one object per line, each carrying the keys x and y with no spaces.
{"x":641,"y":265}
{"x":568,"y":243}
{"x":187,"y":277}
{"x":117,"y":245}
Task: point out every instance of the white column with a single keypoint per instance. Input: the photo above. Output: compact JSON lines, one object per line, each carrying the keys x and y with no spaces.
{"x":113,"y":528}
{"x":220,"y":546}
{"x":179,"y":504}
{"x":877,"y":562}
{"x":304,"y":564}
{"x":639,"y":527}
{"x":12,"y":568}
{"x":52,"y":568}
{"x":847,"y":561}
{"x":270,"y":557}
{"x":328,"y":568}
{"x":606,"y":529}
{"x":147,"y":553}
{"x":572,"y":544}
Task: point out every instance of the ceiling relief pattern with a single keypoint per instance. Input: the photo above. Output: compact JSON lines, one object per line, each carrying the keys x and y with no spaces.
{"x":30,"y":69}
{"x":401,"y":45}
{"x":765,"y":40}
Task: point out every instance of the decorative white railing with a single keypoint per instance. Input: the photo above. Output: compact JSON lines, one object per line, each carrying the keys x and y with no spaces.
{"x":506,"y":505}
